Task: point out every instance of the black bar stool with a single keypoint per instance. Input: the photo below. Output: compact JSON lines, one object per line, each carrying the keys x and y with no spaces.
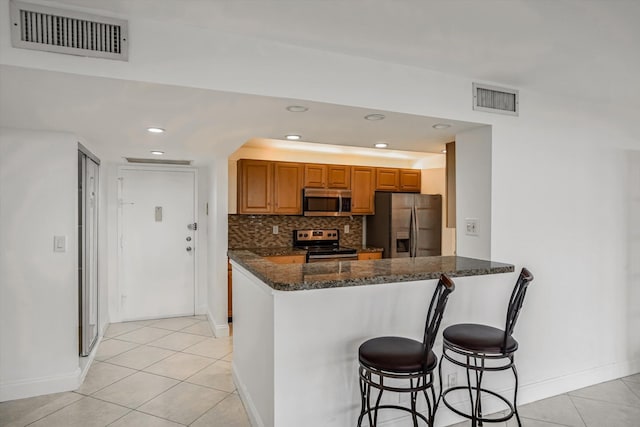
{"x":398,"y":358}
{"x":479,"y":344}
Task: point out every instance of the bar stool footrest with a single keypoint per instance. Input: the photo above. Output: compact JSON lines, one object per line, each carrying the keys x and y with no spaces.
{"x":471,"y":417}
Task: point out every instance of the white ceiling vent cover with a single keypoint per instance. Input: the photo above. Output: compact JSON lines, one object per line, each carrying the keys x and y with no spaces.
{"x":493,"y":99}
{"x":38,"y":27}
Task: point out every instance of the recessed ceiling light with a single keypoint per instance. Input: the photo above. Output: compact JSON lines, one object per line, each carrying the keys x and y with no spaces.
{"x":293,"y":137}
{"x":443,"y":151}
{"x":157,"y":153}
{"x":441,"y":126}
{"x":297,"y":108}
{"x":381,"y":145}
{"x":374,"y":117}
{"x":155,"y":130}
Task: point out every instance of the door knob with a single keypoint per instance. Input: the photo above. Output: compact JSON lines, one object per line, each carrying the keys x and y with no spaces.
{"x":188,"y":238}
{"x":188,"y":248}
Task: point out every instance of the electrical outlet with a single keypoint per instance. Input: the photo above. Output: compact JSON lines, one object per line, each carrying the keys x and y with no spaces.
{"x":452,"y":380}
{"x":471,"y":226}
{"x":275,"y":229}
{"x":346,"y":229}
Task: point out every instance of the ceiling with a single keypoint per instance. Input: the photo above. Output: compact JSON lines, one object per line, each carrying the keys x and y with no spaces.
{"x":114,"y":115}
{"x":585,"y":49}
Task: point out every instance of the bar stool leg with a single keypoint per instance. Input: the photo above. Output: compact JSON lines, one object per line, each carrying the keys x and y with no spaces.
{"x":414,"y":397}
{"x":515,"y":394}
{"x":363,"y":400}
{"x":479,"y":374}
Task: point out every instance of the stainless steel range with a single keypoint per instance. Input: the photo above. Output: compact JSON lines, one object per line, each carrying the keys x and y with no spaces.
{"x":323,"y":245}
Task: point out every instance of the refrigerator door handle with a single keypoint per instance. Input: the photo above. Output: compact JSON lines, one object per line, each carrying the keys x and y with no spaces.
{"x":413,"y":233}
{"x":416,"y":230}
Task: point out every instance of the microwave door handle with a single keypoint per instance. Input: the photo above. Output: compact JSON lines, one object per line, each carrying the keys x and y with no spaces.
{"x":339,"y":203}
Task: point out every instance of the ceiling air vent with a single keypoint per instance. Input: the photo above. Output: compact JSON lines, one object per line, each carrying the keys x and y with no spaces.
{"x":495,"y":99}
{"x":64,"y":31}
{"x":158,"y":161}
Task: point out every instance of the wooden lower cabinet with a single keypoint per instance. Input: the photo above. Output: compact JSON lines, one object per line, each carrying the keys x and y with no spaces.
{"x":288,"y":259}
{"x":369,"y":255}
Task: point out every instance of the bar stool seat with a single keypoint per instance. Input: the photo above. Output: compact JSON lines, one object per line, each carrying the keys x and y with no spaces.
{"x":396,"y":354}
{"x":480,"y":338}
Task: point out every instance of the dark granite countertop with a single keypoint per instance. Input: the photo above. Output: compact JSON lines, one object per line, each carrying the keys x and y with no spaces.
{"x":275,"y":251}
{"x":295,"y":277}
{"x":289,"y":250}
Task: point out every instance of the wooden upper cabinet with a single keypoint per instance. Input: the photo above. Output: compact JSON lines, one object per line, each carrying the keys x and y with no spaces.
{"x":339,"y":176}
{"x":255,"y":184}
{"x":266,"y":187}
{"x":387,"y":179}
{"x":327,"y":176}
{"x":362,"y":190}
{"x":410,"y":180}
{"x":287,"y":188}
{"x":315,"y":176}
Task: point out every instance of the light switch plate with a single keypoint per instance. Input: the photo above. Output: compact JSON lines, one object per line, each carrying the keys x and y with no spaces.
{"x":274,"y":230}
{"x":59,"y":243}
{"x":346,"y":229}
{"x":471,"y":226}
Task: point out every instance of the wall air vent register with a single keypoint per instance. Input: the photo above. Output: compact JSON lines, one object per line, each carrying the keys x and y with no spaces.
{"x":493,"y":99}
{"x":38,"y":27}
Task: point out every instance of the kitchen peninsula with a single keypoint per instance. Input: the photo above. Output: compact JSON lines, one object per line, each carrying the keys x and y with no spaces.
{"x":297,"y":327}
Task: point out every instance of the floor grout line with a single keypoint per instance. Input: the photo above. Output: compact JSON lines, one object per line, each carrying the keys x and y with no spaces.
{"x":605,"y":401}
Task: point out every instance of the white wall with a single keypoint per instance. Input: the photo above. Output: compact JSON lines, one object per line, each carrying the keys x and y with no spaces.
{"x":558,"y":203}
{"x":217,"y":256}
{"x":38,"y":287}
{"x":473,"y":191}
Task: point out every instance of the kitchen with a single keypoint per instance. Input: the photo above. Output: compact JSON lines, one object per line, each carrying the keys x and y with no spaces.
{"x":369,"y":170}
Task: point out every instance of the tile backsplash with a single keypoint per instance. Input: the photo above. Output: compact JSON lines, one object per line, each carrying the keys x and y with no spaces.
{"x":256,"y":231}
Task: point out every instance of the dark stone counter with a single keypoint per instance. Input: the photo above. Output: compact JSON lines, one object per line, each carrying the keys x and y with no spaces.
{"x":335,"y":274}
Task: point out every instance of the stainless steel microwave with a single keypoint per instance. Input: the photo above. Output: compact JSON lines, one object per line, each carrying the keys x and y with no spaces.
{"x":321,"y":202}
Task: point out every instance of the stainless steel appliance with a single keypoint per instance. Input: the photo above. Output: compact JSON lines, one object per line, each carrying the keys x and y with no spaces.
{"x":323,"y":245}
{"x":321,"y":202}
{"x":406,"y":225}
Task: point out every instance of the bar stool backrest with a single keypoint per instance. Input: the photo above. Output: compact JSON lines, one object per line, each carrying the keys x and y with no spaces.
{"x":515,"y":303}
{"x":436,"y":311}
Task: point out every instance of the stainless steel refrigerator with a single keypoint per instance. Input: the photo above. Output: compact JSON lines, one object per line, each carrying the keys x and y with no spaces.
{"x":406,"y":225}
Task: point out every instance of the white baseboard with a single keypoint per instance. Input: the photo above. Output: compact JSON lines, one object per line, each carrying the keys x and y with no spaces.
{"x":218,"y":330}
{"x":12,"y":390}
{"x":52,"y":384}
{"x":250,"y":407}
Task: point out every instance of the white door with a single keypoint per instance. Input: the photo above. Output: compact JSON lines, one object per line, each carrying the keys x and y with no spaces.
{"x":157,"y":261}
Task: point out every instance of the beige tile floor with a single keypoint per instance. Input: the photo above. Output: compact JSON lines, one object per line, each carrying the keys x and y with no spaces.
{"x":173,"y":372}
{"x":162,"y":373}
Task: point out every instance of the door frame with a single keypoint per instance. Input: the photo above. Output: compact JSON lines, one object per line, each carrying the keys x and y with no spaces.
{"x":196,"y":234}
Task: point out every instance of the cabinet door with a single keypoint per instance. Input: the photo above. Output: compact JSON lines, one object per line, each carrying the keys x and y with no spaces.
{"x":410,"y":180}
{"x":287,"y":188}
{"x":362,"y":190}
{"x":339,"y":176}
{"x":369,"y":255}
{"x":255,"y":185}
{"x":315,"y":176}
{"x":287,"y":259}
{"x":387,"y":179}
